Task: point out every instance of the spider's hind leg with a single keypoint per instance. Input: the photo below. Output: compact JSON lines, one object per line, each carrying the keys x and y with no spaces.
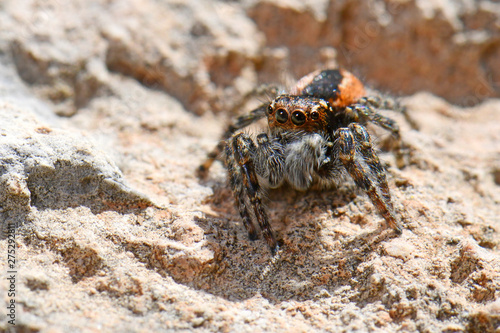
{"x":367,"y":108}
{"x":240,"y":152}
{"x":373,"y":103}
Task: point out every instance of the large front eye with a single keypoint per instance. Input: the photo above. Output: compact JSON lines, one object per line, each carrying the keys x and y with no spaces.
{"x":281,"y":116}
{"x":298,"y":118}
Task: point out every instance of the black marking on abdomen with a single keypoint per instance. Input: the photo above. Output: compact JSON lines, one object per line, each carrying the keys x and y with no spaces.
{"x":325,"y":85}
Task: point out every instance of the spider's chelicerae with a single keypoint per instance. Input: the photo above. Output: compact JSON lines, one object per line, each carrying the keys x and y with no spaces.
{"x":315,"y":134}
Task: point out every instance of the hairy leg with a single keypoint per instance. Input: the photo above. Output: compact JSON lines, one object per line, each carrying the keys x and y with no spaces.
{"x":362,"y":173}
{"x":367,"y":108}
{"x":247,"y":191}
{"x":241,"y":122}
{"x":269,"y":91}
{"x":363,"y":142}
{"x":270,"y":160}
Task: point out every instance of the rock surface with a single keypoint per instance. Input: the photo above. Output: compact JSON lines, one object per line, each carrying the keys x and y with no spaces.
{"x":44,"y":167}
{"x":107,"y":108}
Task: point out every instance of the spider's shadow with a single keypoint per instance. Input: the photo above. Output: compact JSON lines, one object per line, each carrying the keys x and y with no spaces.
{"x":308,"y":263}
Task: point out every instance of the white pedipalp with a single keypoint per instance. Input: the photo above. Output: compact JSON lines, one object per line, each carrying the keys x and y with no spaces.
{"x":303,"y":159}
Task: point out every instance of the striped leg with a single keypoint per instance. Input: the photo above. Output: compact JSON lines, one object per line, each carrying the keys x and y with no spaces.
{"x":363,"y":142}
{"x":240,"y":150}
{"x":365,"y":171}
{"x":240,"y":122}
{"x":367,"y":108}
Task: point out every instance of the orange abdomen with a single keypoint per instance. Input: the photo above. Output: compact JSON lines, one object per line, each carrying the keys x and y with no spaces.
{"x":337,"y":86}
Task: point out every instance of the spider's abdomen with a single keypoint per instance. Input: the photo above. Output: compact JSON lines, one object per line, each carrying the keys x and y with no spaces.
{"x":337,"y":86}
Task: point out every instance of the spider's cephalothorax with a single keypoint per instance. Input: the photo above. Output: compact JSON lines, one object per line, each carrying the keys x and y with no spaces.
{"x":315,"y":135}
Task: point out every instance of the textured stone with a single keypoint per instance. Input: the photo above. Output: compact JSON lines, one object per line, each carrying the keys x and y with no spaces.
{"x":45,"y":167}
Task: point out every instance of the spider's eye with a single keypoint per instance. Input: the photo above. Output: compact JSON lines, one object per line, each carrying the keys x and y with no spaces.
{"x":315,"y":115}
{"x":281,"y":116}
{"x":298,"y":118}
{"x":270,"y":109}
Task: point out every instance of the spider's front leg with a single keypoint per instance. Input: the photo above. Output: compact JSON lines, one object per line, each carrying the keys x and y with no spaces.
{"x":241,"y":122}
{"x":240,"y":152}
{"x":359,"y":159}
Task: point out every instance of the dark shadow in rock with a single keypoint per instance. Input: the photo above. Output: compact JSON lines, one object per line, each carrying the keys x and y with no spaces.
{"x":244,"y":268}
{"x":81,"y":261}
{"x":308,"y":265}
{"x":68,"y":185}
{"x":62,"y":186}
{"x":11,"y":220}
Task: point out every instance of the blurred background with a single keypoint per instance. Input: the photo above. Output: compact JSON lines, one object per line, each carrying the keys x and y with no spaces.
{"x":207,"y":53}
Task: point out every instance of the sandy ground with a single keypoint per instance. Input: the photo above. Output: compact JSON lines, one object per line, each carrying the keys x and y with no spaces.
{"x":107,"y":109}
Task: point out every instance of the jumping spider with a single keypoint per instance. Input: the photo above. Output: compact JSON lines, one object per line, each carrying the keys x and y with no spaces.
{"x":316,"y":133}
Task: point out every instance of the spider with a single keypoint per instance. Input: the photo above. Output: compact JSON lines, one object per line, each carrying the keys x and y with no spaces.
{"x":315,"y":135}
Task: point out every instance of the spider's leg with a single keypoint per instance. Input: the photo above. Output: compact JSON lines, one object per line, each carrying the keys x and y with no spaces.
{"x":270,"y":160}
{"x":261,"y":90}
{"x":237,"y":186}
{"x":363,"y":175}
{"x":363,"y":142}
{"x":247,"y":191}
{"x":240,"y":122}
{"x":366,"y":108}
{"x":388,"y":103}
